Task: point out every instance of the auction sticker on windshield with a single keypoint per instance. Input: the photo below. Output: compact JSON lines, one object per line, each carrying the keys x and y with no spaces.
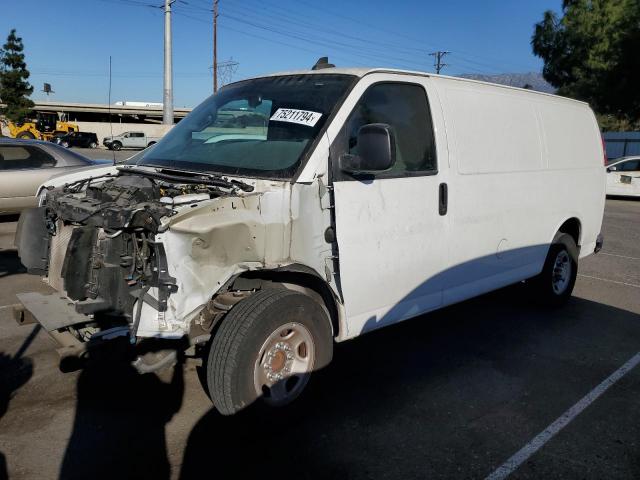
{"x":292,"y":115}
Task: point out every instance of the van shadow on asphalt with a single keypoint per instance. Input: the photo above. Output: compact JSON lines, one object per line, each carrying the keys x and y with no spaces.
{"x":451,"y":394}
{"x":15,"y":371}
{"x":119,"y":426}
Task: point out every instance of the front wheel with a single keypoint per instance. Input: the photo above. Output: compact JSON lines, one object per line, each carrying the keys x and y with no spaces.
{"x":116,"y":146}
{"x":65,"y":144}
{"x":558,"y":277}
{"x":267,"y":347}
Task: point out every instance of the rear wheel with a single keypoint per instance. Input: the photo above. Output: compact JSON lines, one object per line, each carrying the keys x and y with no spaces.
{"x":65,"y":144}
{"x":93,"y":145}
{"x":558,"y":277}
{"x":151,"y":143}
{"x":267,"y":347}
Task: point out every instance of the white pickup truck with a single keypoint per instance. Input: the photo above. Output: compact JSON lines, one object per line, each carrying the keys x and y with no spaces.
{"x":129,"y":140}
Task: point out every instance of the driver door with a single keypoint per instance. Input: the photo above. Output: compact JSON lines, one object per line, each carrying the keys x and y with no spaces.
{"x":391,"y":229}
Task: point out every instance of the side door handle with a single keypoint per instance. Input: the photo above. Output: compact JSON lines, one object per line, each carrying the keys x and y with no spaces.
{"x":443,"y":198}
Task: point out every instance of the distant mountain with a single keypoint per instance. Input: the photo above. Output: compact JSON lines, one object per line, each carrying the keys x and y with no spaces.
{"x":534,"y":79}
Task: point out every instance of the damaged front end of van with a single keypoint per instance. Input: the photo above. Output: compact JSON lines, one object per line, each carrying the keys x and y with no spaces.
{"x":138,"y":253}
{"x":150,"y":250}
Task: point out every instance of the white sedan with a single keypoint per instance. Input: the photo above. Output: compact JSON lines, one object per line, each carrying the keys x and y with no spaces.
{"x":623,"y":177}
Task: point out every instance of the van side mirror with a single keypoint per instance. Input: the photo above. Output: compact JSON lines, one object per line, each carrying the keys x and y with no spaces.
{"x":376,"y":150}
{"x":611,"y":169}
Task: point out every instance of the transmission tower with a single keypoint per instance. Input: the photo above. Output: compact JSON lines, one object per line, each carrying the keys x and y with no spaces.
{"x":225,"y":71}
{"x":439,"y":55}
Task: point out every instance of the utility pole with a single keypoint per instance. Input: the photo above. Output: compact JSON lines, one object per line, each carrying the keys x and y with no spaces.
{"x":439,"y":55}
{"x":215,"y":46}
{"x":167,"y":104}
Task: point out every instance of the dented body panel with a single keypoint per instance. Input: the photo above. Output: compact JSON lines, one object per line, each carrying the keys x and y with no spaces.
{"x":208,"y":244}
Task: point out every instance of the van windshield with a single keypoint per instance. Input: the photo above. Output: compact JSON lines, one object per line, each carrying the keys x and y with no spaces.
{"x":261,"y":127}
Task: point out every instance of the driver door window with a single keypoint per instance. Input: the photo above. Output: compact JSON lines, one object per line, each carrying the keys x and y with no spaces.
{"x":405,"y":108}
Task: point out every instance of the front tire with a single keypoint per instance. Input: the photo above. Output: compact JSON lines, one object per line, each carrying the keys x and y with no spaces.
{"x":116,"y":146}
{"x":555,"y":283}
{"x":26,"y":136}
{"x":267,"y":346}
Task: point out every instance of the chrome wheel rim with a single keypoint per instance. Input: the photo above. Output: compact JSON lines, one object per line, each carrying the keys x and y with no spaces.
{"x":284,"y":364}
{"x":561,"y":272}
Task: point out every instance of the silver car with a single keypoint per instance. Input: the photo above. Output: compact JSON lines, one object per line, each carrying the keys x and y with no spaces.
{"x":25,"y":164}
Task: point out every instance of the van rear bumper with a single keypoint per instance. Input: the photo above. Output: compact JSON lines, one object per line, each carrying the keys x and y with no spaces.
{"x":599,"y":243}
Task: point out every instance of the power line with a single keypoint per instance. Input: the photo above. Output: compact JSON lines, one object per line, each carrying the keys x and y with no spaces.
{"x":279,"y":16}
{"x":317,"y":40}
{"x":461,"y":54}
{"x":238,"y":14}
{"x":267,"y":39}
{"x":289,"y":19}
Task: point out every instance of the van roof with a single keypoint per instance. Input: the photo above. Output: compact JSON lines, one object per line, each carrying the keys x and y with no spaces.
{"x":362,"y":71}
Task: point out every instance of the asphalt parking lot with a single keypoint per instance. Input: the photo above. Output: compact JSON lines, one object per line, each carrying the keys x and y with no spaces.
{"x":453,"y":394}
{"x":103,"y":153}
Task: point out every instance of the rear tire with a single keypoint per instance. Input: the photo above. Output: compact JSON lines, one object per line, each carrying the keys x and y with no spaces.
{"x":151,"y":143}
{"x":555,"y":283}
{"x":267,"y":346}
{"x":65,"y":144}
{"x":93,"y":145}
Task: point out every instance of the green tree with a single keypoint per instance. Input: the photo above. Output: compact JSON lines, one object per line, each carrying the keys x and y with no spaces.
{"x":592,"y":52}
{"x":14,"y":86}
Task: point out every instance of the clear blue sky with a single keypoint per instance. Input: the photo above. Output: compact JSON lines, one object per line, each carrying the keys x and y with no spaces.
{"x":68,"y":43}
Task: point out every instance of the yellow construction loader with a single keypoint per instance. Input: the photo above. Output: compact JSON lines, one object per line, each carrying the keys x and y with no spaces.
{"x":44,"y":127}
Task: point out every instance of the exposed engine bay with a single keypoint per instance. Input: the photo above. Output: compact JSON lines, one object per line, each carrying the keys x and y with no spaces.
{"x":95,"y":240}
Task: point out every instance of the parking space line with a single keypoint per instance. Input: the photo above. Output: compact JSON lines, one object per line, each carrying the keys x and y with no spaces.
{"x":635,"y":285}
{"x":619,"y":256}
{"x":508,"y":467}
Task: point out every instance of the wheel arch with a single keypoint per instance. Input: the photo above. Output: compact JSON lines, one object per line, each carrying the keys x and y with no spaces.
{"x":572,"y":227}
{"x":301,"y":278}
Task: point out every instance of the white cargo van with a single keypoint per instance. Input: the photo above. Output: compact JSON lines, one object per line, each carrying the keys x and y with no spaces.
{"x":357,"y":198}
